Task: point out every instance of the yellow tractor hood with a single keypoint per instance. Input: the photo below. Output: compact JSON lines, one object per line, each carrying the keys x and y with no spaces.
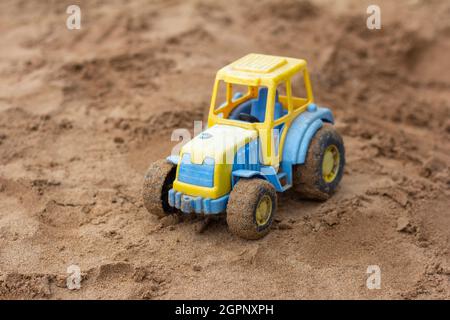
{"x":220,"y":142}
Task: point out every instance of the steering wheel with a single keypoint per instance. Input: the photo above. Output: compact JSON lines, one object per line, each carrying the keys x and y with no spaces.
{"x":247,"y":117}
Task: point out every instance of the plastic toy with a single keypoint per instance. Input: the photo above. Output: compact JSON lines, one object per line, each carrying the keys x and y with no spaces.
{"x":264,"y":140}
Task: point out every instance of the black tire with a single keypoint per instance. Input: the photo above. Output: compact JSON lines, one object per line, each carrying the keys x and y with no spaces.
{"x":157,"y":183}
{"x":308,"y":178}
{"x":242,"y":204}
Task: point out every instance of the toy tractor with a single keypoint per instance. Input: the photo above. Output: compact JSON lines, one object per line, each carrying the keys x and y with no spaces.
{"x":264,"y":136}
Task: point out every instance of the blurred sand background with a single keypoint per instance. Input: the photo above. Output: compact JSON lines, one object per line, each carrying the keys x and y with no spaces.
{"x":83,"y":113}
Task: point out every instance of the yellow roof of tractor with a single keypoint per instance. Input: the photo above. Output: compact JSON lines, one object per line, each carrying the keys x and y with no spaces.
{"x":259,"y":69}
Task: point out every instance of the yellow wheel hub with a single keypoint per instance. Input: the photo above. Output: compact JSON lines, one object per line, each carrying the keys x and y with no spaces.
{"x":330,"y":163}
{"x":263,"y":210}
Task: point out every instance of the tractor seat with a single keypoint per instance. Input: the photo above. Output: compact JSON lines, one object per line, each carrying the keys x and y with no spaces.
{"x":258,"y":108}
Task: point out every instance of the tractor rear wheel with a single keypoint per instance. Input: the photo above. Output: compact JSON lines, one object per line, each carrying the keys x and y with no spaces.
{"x":157,"y":183}
{"x":251,"y":208}
{"x":319,"y":176}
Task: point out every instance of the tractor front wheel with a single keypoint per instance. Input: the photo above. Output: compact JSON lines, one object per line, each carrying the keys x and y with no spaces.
{"x":157,"y":183}
{"x":319,"y":176}
{"x":251,"y":208}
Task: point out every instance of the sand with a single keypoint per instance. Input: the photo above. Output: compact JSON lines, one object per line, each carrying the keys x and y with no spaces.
{"x":84,"y":112}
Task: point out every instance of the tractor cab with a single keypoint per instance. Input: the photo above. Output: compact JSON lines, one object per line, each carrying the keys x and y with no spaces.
{"x":261,"y":93}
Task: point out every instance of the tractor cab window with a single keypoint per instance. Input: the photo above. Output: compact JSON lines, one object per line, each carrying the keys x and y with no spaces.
{"x":242,"y":103}
{"x":229,"y":96}
{"x":299,"y":92}
{"x":281,"y":101}
{"x":228,"y":93}
{"x":281,"y":109}
{"x":253,"y":109}
{"x":249,"y":103}
{"x":221,"y":98}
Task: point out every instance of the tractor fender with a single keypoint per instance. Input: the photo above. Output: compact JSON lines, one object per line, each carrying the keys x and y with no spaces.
{"x":246,"y":174}
{"x":302,"y":130}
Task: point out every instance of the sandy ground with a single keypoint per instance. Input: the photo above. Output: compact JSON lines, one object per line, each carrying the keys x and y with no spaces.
{"x":84,"y":112}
